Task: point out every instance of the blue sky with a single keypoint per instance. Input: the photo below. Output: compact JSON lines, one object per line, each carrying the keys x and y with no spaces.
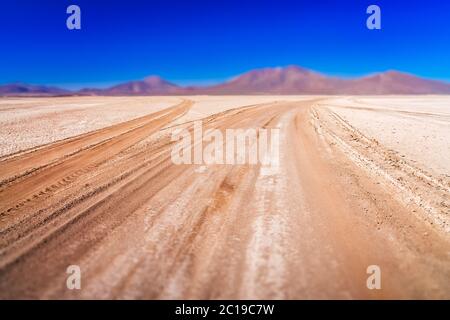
{"x":201,"y":42}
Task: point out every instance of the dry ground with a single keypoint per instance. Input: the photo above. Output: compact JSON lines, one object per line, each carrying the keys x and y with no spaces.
{"x":89,"y":181}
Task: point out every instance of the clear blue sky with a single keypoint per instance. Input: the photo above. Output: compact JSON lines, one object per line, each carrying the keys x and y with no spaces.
{"x":193,"y":41}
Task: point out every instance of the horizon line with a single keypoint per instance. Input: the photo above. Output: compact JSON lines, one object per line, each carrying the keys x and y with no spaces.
{"x":184,"y":83}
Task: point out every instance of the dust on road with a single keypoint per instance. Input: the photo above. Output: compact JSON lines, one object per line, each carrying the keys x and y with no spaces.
{"x":113,"y":202}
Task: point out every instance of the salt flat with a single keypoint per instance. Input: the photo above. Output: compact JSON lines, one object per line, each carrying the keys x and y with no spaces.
{"x":418,"y":127}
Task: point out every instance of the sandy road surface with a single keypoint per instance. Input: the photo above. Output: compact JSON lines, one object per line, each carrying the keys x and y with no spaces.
{"x":112,"y":202}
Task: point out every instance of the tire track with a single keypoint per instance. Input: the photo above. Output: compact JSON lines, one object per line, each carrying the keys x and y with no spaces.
{"x":141,"y":227}
{"x":74,"y":166}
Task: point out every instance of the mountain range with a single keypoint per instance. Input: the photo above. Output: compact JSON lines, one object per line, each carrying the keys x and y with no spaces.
{"x":278,"y":80}
{"x":23,"y":89}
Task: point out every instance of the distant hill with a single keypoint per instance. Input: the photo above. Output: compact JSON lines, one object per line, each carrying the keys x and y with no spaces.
{"x":22,"y":89}
{"x":394,"y":82}
{"x":152,"y":85}
{"x":297,"y":80}
{"x":286,"y":80}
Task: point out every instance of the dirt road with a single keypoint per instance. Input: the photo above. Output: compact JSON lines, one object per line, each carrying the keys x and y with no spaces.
{"x":139,"y":226}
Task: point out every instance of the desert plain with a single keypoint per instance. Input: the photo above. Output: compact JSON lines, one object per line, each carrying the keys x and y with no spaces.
{"x":89,"y":181}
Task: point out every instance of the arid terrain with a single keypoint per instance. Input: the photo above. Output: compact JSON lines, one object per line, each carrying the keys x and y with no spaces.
{"x":89,"y":181}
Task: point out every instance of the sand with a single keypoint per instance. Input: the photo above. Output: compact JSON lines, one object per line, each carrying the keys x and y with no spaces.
{"x":362,"y":181}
